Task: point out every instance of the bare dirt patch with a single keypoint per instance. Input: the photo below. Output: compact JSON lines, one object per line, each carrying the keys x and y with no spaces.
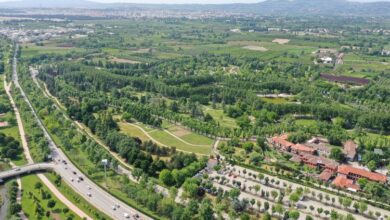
{"x":179,"y":131}
{"x":119,"y":60}
{"x":255,"y":48}
{"x":280,"y":41}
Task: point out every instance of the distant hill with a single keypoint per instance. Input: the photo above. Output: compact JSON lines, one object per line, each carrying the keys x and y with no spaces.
{"x":49,"y":4}
{"x":269,"y":7}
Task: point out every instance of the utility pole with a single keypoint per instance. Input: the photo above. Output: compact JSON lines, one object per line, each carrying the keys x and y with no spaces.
{"x":105,"y":163}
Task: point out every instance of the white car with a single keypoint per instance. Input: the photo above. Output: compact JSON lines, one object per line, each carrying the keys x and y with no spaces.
{"x":89,"y":194}
{"x":126,"y":215}
{"x":113,"y":207}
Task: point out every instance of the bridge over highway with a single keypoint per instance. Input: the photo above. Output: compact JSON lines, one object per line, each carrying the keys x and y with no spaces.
{"x":22,"y":170}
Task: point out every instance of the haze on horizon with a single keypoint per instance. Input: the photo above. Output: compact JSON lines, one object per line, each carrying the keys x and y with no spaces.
{"x":192,"y":1}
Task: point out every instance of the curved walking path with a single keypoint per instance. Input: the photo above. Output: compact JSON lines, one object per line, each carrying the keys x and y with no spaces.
{"x":178,"y":138}
{"x":164,"y":145}
{"x":29,"y":159}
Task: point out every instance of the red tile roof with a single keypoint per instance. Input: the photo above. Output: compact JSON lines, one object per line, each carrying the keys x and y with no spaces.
{"x":342,"y":181}
{"x":282,"y":142}
{"x":350,"y":149}
{"x":326,"y":175}
{"x":346,"y":170}
{"x":302,"y":148}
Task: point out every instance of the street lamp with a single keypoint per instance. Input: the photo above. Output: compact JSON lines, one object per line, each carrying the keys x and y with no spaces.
{"x":105,"y":163}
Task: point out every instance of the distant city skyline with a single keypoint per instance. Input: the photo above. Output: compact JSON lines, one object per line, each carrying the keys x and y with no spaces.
{"x":192,"y":1}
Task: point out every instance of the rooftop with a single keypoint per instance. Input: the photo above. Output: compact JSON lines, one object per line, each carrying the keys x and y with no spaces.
{"x":345,"y":169}
{"x":350,"y":148}
{"x":342,"y":181}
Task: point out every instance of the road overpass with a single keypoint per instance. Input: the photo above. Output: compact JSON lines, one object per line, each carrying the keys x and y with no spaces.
{"x":27,"y":169}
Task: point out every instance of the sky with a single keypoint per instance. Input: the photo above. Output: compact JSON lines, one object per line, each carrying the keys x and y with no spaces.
{"x":190,"y":1}
{"x":200,"y":1}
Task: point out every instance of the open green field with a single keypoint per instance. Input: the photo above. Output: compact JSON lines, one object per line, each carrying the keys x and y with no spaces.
{"x":31,"y":50}
{"x":173,"y":136}
{"x":132,"y":131}
{"x":219,"y":116}
{"x":168,"y":140}
{"x":274,"y":100}
{"x":189,"y":136}
{"x":306,"y":122}
{"x":36,"y":200}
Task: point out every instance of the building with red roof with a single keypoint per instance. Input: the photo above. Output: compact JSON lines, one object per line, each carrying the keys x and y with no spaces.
{"x":300,"y":148}
{"x":344,"y":182}
{"x":354,"y":173}
{"x":350,"y":150}
{"x":281,"y":142}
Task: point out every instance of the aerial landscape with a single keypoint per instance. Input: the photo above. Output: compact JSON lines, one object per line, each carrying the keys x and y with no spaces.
{"x":277,"y":109}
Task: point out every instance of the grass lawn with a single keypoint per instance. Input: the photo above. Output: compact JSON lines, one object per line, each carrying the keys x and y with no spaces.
{"x":275,"y":100}
{"x":305,"y":122}
{"x":76,"y":199}
{"x":188,"y":136}
{"x":194,"y":138}
{"x":11,"y":131}
{"x":171,"y":141}
{"x":132,"y":131}
{"x":32,"y":201}
{"x":219,"y":116}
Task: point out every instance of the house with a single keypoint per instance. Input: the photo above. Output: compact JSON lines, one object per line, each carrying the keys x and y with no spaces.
{"x":350,"y":150}
{"x":318,"y":161}
{"x":326,"y":175}
{"x":280,"y":142}
{"x":354,"y":173}
{"x":300,"y":148}
{"x":344,"y":182}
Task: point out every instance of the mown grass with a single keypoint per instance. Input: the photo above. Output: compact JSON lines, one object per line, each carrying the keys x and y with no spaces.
{"x":220,"y":117}
{"x":132,"y":131}
{"x":168,"y":140}
{"x":274,"y":100}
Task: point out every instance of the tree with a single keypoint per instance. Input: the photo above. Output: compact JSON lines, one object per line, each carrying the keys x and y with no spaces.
{"x":308,"y":217}
{"x":38,"y":185}
{"x":293,"y":214}
{"x":372,"y":165}
{"x":347,"y":202}
{"x":362,"y":207}
{"x":51,"y":204}
{"x":337,"y":154}
{"x":266,"y":216}
{"x":206,"y":210}
{"x":166,"y":177}
{"x":294,"y":198}
{"x":274,"y":194}
{"x":234,"y":193}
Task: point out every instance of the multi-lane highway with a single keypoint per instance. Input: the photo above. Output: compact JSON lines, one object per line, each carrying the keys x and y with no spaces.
{"x":98,"y":197}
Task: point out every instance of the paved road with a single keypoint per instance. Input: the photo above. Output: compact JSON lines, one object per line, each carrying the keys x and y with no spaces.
{"x":30,"y":168}
{"x":98,"y":197}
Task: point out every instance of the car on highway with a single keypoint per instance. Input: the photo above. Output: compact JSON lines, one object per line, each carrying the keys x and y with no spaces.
{"x":126,"y":215}
{"x":89,"y":194}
